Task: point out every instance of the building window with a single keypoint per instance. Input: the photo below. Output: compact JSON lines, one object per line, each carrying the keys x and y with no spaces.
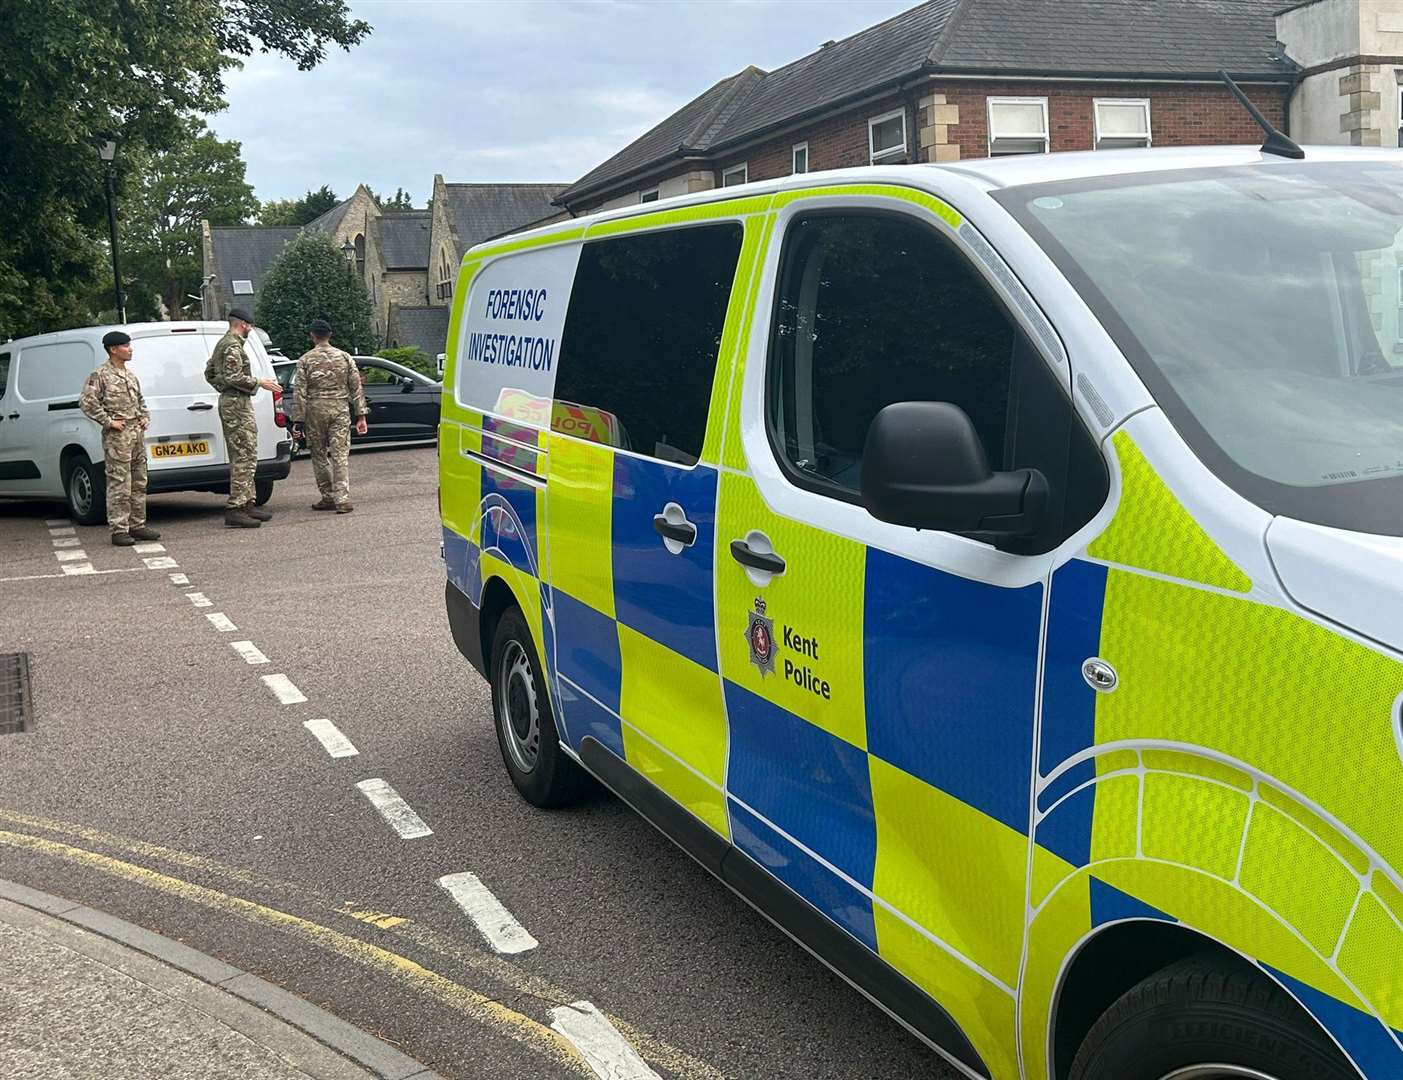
{"x":886,"y":136}
{"x":801,"y":158}
{"x":1017,"y":126}
{"x":243,"y":287}
{"x":445,"y":276}
{"x":360,"y":256}
{"x":649,"y":196}
{"x":1122,"y":124}
{"x":736,"y":174}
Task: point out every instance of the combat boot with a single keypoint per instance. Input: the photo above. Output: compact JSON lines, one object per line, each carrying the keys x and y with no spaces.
{"x":141,"y":532}
{"x":344,"y":508}
{"x":122,"y":539}
{"x":255,"y":513}
{"x":325,"y":503}
{"x":235,"y":518}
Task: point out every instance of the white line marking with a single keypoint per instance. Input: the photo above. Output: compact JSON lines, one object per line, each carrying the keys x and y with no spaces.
{"x":161,"y":562}
{"x":199,"y":599}
{"x":79,"y":568}
{"x":494,"y":921}
{"x":67,"y":530}
{"x":71,"y":555}
{"x":282,"y":686}
{"x":393,"y":809}
{"x":329,"y":735}
{"x":148,"y":548}
{"x":69,"y":571}
{"x":599,"y":1042}
{"x":180,"y":579}
{"x":67,"y":541}
{"x":249,"y":651}
{"x":54,"y":523}
{"x":221,"y":622}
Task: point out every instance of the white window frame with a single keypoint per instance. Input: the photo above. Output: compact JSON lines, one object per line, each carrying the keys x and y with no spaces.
{"x":1096,"y":118}
{"x":1045,"y":134}
{"x":242,"y":286}
{"x":743,"y":168}
{"x":651,"y":195}
{"x":873,"y":155}
{"x":793,"y":153}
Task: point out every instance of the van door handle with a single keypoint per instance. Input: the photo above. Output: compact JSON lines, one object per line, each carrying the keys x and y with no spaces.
{"x":683,"y":532}
{"x":13,"y":416}
{"x":765,"y":561}
{"x":203,"y":406}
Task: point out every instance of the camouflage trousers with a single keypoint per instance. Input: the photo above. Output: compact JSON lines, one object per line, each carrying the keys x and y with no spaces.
{"x":329,"y":441}
{"x":124,"y":453}
{"x":241,"y":440}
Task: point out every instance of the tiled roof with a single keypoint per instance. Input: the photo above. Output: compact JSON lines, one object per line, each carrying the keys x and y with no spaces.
{"x":1172,"y":39}
{"x":480,"y":211}
{"x":426,"y":327}
{"x":332,"y":218}
{"x":244,"y":253}
{"x":404,"y":239}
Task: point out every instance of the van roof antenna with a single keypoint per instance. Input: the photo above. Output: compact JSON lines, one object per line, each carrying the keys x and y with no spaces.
{"x":1277,"y":143}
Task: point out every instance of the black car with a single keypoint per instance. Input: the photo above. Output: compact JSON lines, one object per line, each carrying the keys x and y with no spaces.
{"x":403,"y":403}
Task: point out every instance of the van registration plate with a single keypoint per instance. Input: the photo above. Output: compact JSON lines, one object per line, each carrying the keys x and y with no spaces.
{"x":180,"y":449}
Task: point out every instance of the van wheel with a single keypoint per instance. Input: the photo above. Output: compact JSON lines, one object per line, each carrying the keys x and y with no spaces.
{"x":262,"y":491}
{"x":86,"y":488}
{"x":1202,"y":1020}
{"x":544,"y":774}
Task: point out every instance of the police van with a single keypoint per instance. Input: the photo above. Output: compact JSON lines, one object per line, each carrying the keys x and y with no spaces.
{"x":50,"y":450}
{"x":992,"y":572}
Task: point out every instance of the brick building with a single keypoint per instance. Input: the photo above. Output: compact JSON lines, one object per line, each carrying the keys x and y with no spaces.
{"x":954,"y":79}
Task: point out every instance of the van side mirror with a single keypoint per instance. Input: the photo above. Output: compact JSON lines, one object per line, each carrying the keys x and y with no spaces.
{"x":924,"y":467}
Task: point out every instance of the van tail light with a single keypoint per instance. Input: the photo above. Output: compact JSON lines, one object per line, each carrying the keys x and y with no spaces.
{"x":279,"y":417}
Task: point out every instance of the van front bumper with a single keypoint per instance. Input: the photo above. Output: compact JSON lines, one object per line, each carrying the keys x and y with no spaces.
{"x":212,"y":477}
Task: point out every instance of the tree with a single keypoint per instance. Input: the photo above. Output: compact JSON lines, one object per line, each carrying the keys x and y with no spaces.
{"x":400,"y":200}
{"x":298,"y":211}
{"x":310,"y":280}
{"x":167,"y":196}
{"x":73,"y":70}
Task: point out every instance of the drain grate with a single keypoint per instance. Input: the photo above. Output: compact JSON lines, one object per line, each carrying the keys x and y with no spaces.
{"x":16,"y":702}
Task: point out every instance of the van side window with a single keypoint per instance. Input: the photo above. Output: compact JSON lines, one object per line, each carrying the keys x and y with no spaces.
{"x":54,"y":371}
{"x":875,"y":309}
{"x":641,"y":339}
{"x":4,"y":372}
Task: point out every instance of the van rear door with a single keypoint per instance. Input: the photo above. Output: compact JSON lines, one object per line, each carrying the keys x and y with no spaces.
{"x":185,"y":429}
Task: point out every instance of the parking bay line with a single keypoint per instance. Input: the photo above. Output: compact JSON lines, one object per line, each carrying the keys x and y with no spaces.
{"x":180,"y":579}
{"x":67,"y":541}
{"x":55,"y":523}
{"x":66,"y":530}
{"x":398,"y":813}
{"x":249,"y":651}
{"x":81,"y":570}
{"x":71,"y":555}
{"x":221,"y":622}
{"x":160,"y":562}
{"x":493,"y":921}
{"x":78,"y":568}
{"x":599,"y":1042}
{"x":149,"y":548}
{"x":199,"y":599}
{"x":329,"y":735}
{"x":282,"y":686}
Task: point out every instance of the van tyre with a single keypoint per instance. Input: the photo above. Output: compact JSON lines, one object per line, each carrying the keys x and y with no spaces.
{"x":262,"y":491}
{"x":85,"y":485}
{"x":1202,"y":1020}
{"x":526,"y":733}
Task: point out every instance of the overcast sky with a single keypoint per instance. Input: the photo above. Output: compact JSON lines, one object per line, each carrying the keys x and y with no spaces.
{"x":505,"y":89}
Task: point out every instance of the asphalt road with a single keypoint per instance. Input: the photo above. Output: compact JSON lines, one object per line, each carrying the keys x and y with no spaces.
{"x":163,"y":782}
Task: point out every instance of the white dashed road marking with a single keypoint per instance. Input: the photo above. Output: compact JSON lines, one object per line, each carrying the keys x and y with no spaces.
{"x":329,"y":735}
{"x":495,"y":922}
{"x":148,"y":548}
{"x":79,"y":568}
{"x":599,"y":1042}
{"x":71,"y":555}
{"x":282,"y":686}
{"x":393,"y":809}
{"x":199,"y":599}
{"x":67,"y":541}
{"x":67,"y":530}
{"x":54,"y":523}
{"x":221,"y":622}
{"x":161,"y":562}
{"x":69,"y":571}
{"x":180,"y":579}
{"x":249,"y":651}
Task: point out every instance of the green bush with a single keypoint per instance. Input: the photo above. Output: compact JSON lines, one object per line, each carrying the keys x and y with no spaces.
{"x":310,"y":280}
{"x":411,"y":356}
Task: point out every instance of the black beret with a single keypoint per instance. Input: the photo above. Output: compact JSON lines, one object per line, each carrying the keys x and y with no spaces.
{"x":321,"y":328}
{"x":115,"y":337}
{"x":240,"y":313}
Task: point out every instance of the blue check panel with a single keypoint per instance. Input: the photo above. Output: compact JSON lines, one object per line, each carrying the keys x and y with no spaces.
{"x":588,"y":649}
{"x":460,"y":557}
{"x":1363,"y":1038}
{"x":950,"y":678}
{"x":669,"y":598}
{"x":509,"y":519}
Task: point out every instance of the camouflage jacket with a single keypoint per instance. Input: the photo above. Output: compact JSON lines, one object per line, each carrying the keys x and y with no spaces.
{"x":112,"y":393}
{"x":229,"y":370}
{"x":325,"y":373}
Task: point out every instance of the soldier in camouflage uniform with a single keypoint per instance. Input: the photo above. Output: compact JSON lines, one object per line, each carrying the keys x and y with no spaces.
{"x":229,"y":372}
{"x":112,"y":399}
{"x":326,"y":389}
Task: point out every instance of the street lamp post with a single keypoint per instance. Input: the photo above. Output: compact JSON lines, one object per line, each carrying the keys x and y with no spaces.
{"x":107,"y":150}
{"x":348,"y":249}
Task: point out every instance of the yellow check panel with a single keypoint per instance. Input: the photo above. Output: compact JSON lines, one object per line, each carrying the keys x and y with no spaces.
{"x":580,"y":521}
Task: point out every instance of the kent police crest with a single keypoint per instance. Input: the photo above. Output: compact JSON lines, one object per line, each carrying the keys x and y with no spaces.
{"x":761,"y":636}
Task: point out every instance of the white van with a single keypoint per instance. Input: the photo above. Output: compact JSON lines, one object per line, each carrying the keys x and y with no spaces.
{"x":50,"y":450}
